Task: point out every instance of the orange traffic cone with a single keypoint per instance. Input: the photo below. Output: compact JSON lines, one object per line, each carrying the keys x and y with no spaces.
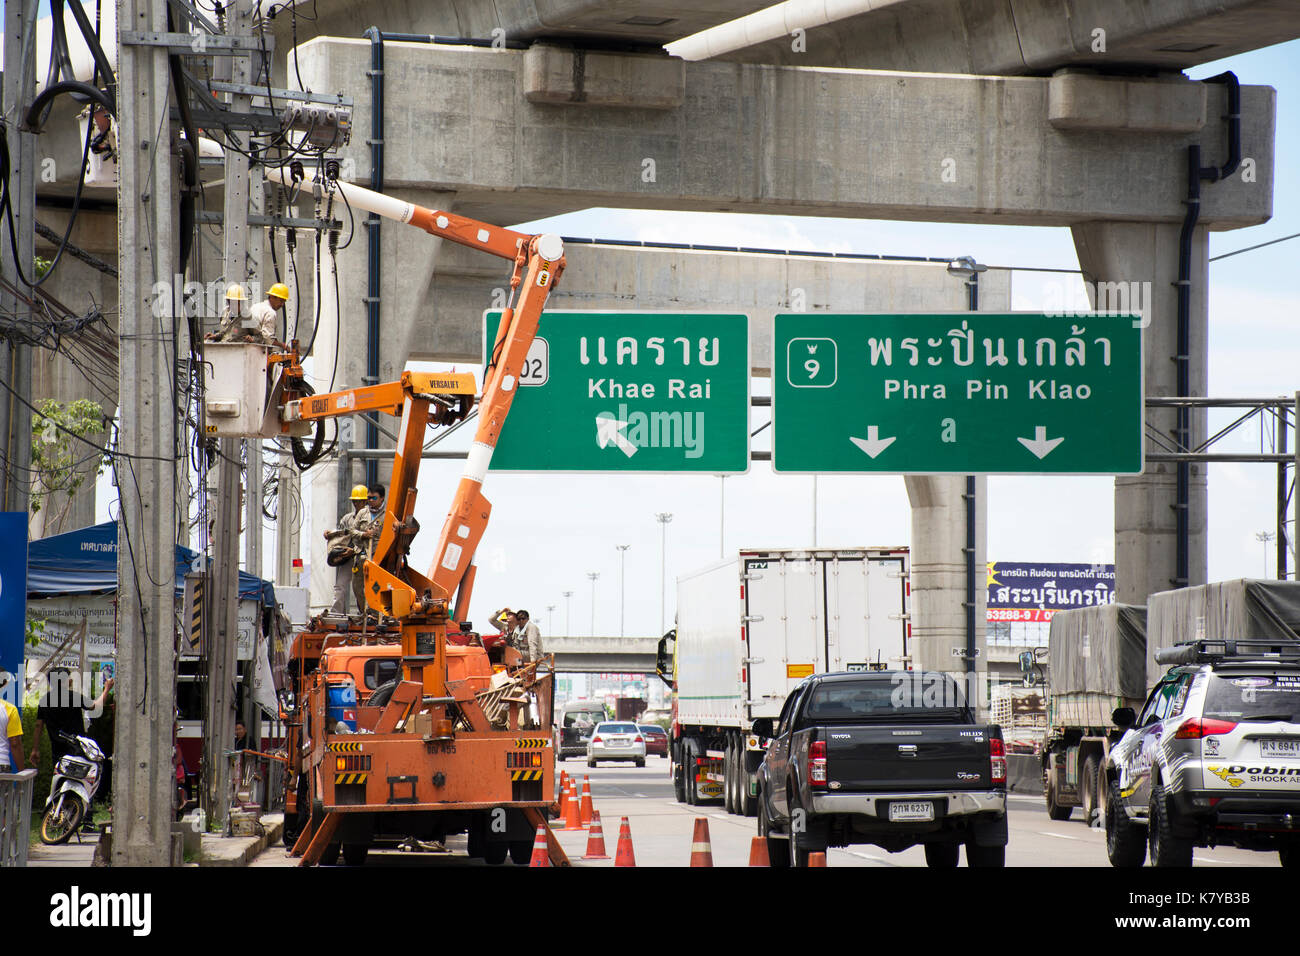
{"x":816,"y":859}
{"x":585,"y":809}
{"x":623,"y":855}
{"x":571,"y":817}
{"x":758,"y":852}
{"x":701,"y":849}
{"x":541,"y":855}
{"x":595,"y":840}
{"x":560,"y":824}
{"x":564,"y":782}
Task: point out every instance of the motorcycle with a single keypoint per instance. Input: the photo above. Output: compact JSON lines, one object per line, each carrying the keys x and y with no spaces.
{"x":76,"y":781}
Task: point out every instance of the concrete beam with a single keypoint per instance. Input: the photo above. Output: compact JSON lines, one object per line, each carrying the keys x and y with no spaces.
{"x":1011,"y":37}
{"x":463,"y":283}
{"x":791,"y":141}
{"x":560,"y":75}
{"x":625,"y":23}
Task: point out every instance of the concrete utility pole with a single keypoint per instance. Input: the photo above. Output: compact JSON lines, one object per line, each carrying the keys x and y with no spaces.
{"x":219,"y":729}
{"x":288,"y":525}
{"x":146,"y":469}
{"x":15,"y":358}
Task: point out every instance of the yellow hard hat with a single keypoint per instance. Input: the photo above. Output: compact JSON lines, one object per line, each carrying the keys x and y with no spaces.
{"x":360,"y":493}
{"x":235,"y":291}
{"x":280,"y":291}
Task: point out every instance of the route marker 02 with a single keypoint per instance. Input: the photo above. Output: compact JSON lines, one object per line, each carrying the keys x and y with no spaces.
{"x":958,"y":393}
{"x":629,"y":392}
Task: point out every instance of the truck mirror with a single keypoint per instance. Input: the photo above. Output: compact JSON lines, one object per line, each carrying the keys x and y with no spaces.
{"x":762,"y":727}
{"x":1123,"y":717}
{"x":1027,"y":661}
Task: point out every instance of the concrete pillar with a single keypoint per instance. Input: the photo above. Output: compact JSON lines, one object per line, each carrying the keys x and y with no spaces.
{"x":939,"y":571}
{"x":1122,"y":261}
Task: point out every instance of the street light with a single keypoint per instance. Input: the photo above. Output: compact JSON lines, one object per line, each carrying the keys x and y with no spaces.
{"x":1265,"y":537}
{"x":567,"y":595}
{"x":550,"y":619}
{"x":622,"y":554}
{"x":593,"y":575}
{"x":663,"y":517}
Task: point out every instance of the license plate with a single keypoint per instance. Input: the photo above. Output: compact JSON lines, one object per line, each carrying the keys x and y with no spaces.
{"x":1280,"y":747}
{"x":911,"y":812}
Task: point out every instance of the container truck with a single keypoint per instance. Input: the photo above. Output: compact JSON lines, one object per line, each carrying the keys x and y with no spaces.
{"x":749,"y":630}
{"x":1096,"y":663}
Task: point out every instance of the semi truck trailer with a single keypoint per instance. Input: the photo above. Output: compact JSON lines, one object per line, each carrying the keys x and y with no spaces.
{"x":749,"y":630}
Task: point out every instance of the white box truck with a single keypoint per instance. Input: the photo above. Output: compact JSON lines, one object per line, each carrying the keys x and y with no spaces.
{"x":749,"y":629}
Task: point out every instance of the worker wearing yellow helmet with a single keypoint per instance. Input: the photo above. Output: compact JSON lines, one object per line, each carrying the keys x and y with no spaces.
{"x":264,"y":313}
{"x":347,"y":551}
{"x":232,"y":316}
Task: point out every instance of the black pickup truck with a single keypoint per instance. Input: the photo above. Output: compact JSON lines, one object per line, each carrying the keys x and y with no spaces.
{"x":891,"y":758}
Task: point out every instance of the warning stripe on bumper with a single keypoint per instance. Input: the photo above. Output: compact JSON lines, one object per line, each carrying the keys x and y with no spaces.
{"x":350,"y":778}
{"x":343,"y":747}
{"x":526,"y":775}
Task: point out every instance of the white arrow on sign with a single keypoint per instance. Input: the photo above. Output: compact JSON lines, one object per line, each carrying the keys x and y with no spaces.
{"x":873,"y":444}
{"x":1040,"y":444}
{"x":609,"y":431}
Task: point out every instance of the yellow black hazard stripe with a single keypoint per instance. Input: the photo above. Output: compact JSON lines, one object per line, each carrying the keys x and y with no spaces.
{"x":525,"y":775}
{"x":532,"y":743}
{"x":343,"y":747}
{"x":350,"y":778}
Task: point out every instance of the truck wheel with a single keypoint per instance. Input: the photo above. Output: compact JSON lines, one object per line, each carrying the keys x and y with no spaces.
{"x":640,"y":761}
{"x":1166,"y":848}
{"x":1054,"y":810}
{"x":679,"y":782}
{"x":802,"y":843}
{"x":745,"y":805}
{"x":977,"y":855}
{"x":521,"y":852}
{"x":354,"y":854}
{"x":331,"y":855}
{"x":494,"y":851}
{"x":942,"y":856}
{"x":1126,"y":841}
{"x":1090,"y":798}
{"x":1289,"y":856}
{"x":778,"y":855}
{"x":689,"y":770}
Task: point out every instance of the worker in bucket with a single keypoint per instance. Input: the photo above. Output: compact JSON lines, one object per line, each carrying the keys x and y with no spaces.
{"x":266,"y":314}
{"x":231,"y":328}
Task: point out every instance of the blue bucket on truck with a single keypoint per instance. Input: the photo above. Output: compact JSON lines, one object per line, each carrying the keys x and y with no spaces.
{"x":342,"y":705}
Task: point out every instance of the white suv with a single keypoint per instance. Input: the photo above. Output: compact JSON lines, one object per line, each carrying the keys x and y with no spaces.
{"x":1213,"y":758}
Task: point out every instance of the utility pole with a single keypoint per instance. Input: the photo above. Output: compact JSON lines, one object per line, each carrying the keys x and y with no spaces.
{"x":15,"y":357}
{"x":219,"y":730}
{"x":288,"y":524}
{"x":663,"y":518}
{"x":593,"y":576}
{"x":143,"y":787}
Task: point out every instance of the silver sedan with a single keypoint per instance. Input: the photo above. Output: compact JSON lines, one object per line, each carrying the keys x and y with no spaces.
{"x":616,"y":740}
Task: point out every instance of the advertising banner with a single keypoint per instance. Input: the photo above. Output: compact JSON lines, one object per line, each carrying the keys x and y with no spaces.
{"x":1028,"y":592}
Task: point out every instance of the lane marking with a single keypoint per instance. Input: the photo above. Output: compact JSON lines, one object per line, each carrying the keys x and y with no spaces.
{"x":1059,"y":836}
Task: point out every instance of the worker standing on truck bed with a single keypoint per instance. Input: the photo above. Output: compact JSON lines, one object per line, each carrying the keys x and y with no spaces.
{"x":348,"y":551}
{"x":527,"y":639}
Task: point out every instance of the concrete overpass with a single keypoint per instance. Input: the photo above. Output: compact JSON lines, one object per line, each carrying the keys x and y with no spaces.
{"x":598,"y":655}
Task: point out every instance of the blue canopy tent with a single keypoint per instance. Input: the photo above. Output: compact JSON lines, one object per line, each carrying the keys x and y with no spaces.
{"x":85,"y":561}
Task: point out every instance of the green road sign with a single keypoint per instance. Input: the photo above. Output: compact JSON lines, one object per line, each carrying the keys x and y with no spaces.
{"x":960,"y":393}
{"x":630,"y":392}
